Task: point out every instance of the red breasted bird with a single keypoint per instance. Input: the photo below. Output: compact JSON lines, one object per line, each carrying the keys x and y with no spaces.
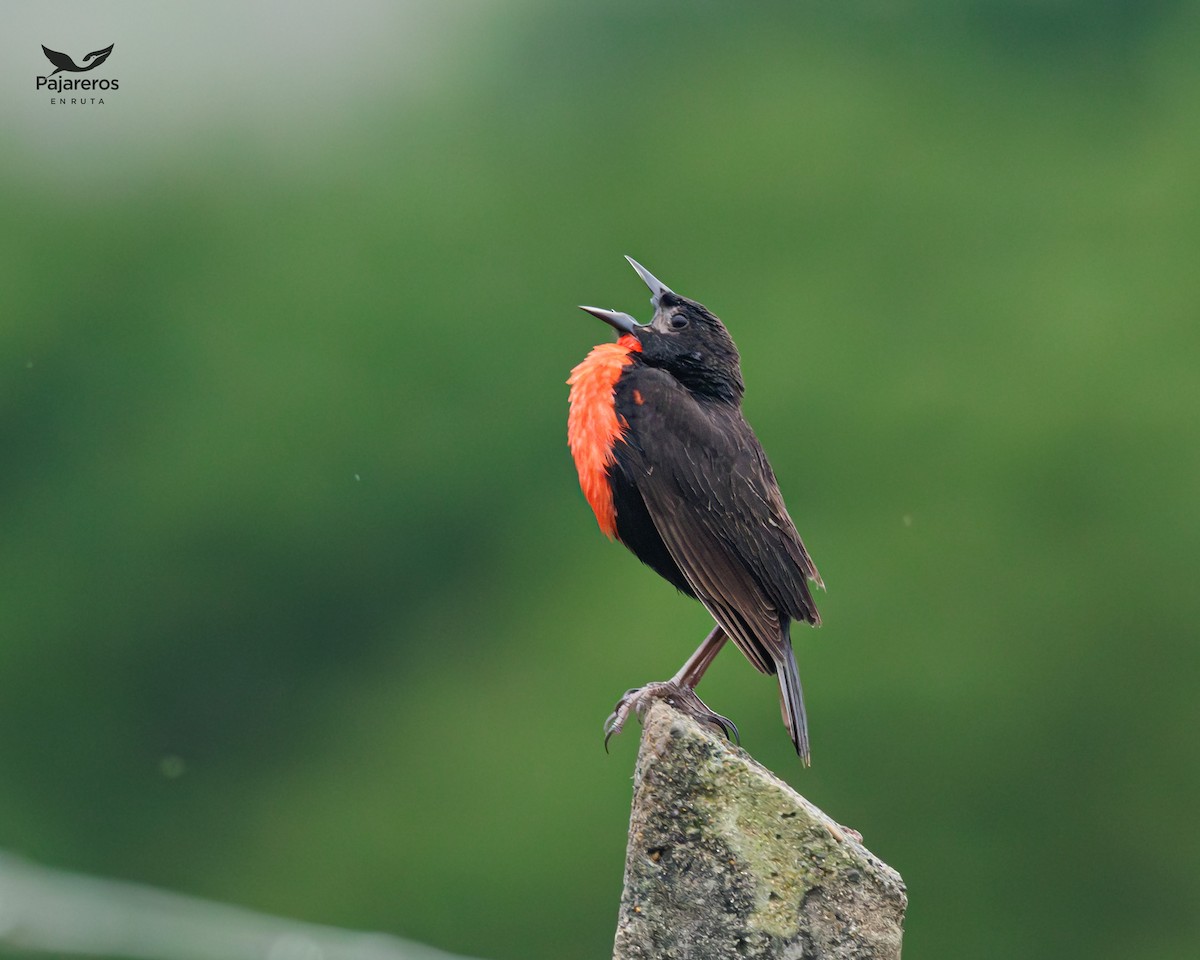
{"x":673,"y":471}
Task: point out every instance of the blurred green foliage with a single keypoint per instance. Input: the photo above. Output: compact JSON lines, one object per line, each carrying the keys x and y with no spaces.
{"x":300,"y":605}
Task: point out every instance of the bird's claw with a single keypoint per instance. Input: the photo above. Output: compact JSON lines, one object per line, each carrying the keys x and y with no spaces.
{"x":682,"y":698}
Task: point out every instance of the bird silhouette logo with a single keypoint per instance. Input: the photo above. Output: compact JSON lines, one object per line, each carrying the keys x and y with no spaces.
{"x":63,"y":62}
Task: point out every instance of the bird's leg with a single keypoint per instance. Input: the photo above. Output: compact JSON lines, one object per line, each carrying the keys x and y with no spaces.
{"x":692,"y":672}
{"x":679,"y":692}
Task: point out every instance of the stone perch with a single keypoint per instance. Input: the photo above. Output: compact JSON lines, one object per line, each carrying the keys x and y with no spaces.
{"x":727,"y":860}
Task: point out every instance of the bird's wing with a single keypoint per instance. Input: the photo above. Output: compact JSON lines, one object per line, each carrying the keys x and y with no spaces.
{"x":777,"y":556}
{"x":726,"y":589}
{"x":61,"y":61}
{"x":714,"y":501}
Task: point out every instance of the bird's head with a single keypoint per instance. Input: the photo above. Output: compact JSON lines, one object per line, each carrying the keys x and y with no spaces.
{"x":685,"y":339}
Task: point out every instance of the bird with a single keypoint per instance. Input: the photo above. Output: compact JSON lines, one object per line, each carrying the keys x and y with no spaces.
{"x":672,"y":470}
{"x":63,"y":61}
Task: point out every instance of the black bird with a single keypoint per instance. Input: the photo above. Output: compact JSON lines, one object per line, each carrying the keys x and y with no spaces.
{"x":673,"y":471}
{"x":63,"y":61}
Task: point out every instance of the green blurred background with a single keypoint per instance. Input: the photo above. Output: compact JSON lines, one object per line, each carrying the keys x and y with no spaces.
{"x":300,"y":605}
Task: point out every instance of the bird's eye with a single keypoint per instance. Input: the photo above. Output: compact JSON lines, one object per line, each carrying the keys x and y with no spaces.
{"x":678,"y":322}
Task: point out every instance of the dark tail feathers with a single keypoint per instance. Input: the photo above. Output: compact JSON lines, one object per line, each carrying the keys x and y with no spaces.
{"x":791,"y":699}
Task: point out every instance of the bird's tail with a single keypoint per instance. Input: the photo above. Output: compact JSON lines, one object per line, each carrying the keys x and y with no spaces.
{"x":791,"y":699}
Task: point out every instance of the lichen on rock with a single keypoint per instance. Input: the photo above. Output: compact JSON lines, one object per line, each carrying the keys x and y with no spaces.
{"x":726,"y":860}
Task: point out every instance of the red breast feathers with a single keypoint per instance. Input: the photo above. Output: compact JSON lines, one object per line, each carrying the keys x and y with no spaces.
{"x":593,"y":426}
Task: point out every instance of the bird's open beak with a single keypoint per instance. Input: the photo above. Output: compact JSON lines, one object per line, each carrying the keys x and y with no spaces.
{"x":622,"y":321}
{"x":657,"y":287}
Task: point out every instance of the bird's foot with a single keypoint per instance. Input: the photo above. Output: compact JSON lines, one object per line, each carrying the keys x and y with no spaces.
{"x":679,"y":696}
